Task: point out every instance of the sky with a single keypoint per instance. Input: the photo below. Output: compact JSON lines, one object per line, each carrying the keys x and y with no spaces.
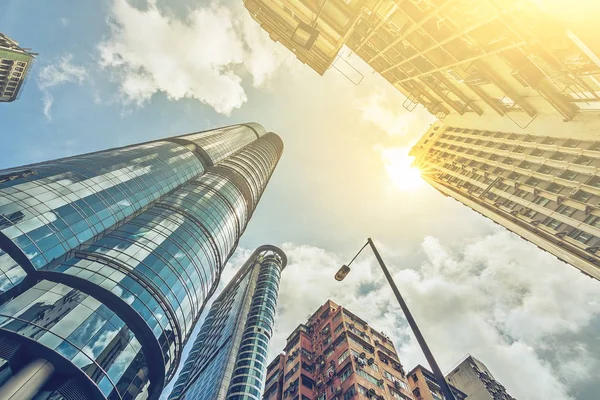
{"x":116,"y":72}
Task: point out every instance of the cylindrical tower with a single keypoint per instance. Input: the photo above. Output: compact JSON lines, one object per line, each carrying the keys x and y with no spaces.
{"x":107,"y":259}
{"x":229,"y":357}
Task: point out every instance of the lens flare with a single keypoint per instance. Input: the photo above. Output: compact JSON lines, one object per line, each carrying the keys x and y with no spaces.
{"x":398,"y":165}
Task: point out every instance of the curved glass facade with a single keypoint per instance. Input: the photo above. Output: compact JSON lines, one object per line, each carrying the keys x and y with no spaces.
{"x":229,"y":357}
{"x":49,"y":209}
{"x":108,"y":258}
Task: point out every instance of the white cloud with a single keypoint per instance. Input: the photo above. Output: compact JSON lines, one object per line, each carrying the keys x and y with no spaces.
{"x":386,"y":111}
{"x":498,"y":298}
{"x":63,"y":71}
{"x":203,"y":57}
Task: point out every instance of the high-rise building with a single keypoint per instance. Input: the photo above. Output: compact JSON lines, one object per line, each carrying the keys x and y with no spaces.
{"x":424,"y":386}
{"x":336,"y":355}
{"x":498,"y":64}
{"x":473,"y":378}
{"x":544,"y":188}
{"x":107,"y":258}
{"x":15,"y":63}
{"x":229,"y":357}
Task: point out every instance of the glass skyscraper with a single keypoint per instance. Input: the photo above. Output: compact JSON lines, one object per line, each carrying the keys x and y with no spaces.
{"x":229,"y":357}
{"x":107,"y":259}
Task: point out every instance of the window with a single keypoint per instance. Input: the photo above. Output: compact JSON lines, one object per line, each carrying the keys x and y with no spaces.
{"x":552,"y":223}
{"x":566,"y":210}
{"x":389,"y":376}
{"x":555,"y":188}
{"x":593,"y":220}
{"x":537,"y":152}
{"x":582,"y":196}
{"x":339,"y":328}
{"x":370,"y":378}
{"x":540,"y":200}
{"x":594,"y":181}
{"x":529,"y":213}
{"x":545,"y":169}
{"x":549,"y":140}
{"x":398,"y":395}
{"x":520,"y":193}
{"x":306,"y":381}
{"x":346,"y":373}
{"x":375,"y":367}
{"x":583,"y":160}
{"x":569,"y":175}
{"x":533,"y":181}
{"x":363,"y":390}
{"x":558,"y":156}
{"x":350,"y":393}
{"x":581,"y":236}
{"x":343,"y":357}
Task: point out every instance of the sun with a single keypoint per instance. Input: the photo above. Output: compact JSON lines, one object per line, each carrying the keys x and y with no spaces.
{"x":398,"y":165}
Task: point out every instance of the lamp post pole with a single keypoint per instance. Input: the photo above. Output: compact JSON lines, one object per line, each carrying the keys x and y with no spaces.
{"x":447,"y":393}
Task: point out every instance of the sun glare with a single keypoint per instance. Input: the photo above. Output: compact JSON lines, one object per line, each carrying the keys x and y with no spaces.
{"x":398,"y":166}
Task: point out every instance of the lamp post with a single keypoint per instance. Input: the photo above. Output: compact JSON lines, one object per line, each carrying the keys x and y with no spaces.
{"x":345,"y":269}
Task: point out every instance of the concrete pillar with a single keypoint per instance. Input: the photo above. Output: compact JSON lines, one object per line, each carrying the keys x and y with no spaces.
{"x":28,"y":381}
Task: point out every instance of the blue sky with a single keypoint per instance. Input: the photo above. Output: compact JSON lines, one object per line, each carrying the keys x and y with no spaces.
{"x":112,"y":73}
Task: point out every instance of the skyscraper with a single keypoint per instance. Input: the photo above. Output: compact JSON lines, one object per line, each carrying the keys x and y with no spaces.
{"x":544,"y":188}
{"x":424,"y":386}
{"x":499,"y":64}
{"x":108,"y":258}
{"x":473,"y":378}
{"x":336,"y":355}
{"x":15,"y":63}
{"x":229,"y":357}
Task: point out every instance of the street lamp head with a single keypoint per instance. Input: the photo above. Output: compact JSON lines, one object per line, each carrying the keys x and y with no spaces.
{"x":342,"y":272}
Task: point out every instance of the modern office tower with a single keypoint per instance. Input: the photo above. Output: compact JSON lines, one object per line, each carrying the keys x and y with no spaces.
{"x":336,"y":355}
{"x":546,"y":189}
{"x":15,"y":63}
{"x":229,"y":357}
{"x":108,"y":258}
{"x":500,"y":64}
{"x":473,"y":378}
{"x":423,"y":385}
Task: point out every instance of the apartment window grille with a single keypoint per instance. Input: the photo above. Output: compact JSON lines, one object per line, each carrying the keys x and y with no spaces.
{"x":593,"y":220}
{"x":566,"y":210}
{"x":555,"y":188}
{"x":533,"y":181}
{"x":582,"y":196}
{"x":581,"y":236}
{"x":529,"y":213}
{"x":552,"y":223}
{"x":583,"y":160}
{"x":541,"y":201}
{"x":545,"y":169}
{"x":569,"y":175}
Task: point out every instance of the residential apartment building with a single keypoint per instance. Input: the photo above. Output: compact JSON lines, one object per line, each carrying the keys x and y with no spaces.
{"x":336,"y":355}
{"x":423,"y":385}
{"x":509,"y":65}
{"x":15,"y":63}
{"x":473,"y":378}
{"x":107,"y":259}
{"x":229,"y":357}
{"x":544,"y":188}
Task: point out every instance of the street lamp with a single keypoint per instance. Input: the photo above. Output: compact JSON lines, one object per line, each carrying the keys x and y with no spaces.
{"x":345,"y":270}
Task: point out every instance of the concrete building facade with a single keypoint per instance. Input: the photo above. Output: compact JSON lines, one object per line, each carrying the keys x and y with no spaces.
{"x":229,"y":357}
{"x":473,"y":378}
{"x":15,"y":63}
{"x":492,"y":64}
{"x":544,"y":188}
{"x":423,"y":385}
{"x":107,"y":259}
{"x":337,"y":355}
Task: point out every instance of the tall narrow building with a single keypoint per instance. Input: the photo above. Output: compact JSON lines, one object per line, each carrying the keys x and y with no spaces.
{"x":15,"y":64}
{"x":497,"y":64}
{"x":229,"y":357}
{"x":473,"y":378}
{"x":107,"y":259}
{"x":546,"y":189}
{"x":337,"y":355}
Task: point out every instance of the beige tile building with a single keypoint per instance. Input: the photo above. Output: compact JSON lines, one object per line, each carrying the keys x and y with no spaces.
{"x":509,"y":65}
{"x":473,"y":378}
{"x":15,"y":63}
{"x":543,"y":188}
